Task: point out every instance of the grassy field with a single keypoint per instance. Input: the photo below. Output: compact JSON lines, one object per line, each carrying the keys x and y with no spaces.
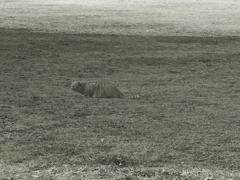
{"x":134,"y":17}
{"x":185,"y":125}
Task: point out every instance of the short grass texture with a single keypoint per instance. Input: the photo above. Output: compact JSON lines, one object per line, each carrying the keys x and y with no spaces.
{"x":187,"y":115}
{"x":185,"y":125}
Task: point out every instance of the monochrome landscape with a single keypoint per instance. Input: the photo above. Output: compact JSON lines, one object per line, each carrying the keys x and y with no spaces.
{"x":180,"y":58}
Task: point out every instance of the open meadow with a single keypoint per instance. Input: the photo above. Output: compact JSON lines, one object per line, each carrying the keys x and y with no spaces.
{"x":181,"y":57}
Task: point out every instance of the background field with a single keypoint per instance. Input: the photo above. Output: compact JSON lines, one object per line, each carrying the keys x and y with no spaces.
{"x":180,"y":57}
{"x":135,"y":17}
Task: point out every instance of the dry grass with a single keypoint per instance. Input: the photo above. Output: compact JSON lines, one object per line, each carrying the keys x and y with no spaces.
{"x":184,"y":126}
{"x":152,"y":17}
{"x":73,"y":172}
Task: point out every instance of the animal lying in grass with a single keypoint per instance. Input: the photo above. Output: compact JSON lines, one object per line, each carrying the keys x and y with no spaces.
{"x":100,"y":89}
